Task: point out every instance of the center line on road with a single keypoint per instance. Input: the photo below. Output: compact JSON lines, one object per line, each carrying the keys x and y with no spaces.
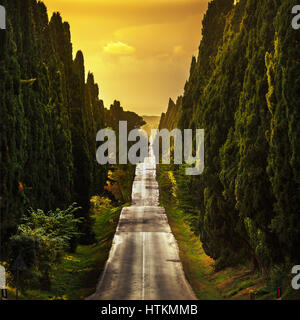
{"x":143,"y":272}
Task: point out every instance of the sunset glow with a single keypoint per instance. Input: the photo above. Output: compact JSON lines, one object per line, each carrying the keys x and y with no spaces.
{"x":139,"y":51}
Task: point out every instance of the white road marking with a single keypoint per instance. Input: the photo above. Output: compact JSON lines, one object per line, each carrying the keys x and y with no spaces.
{"x":143,"y":272}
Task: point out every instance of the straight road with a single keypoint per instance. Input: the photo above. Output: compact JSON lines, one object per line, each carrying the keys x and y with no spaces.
{"x":144,"y":261}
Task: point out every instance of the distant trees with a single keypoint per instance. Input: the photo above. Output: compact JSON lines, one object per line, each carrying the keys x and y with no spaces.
{"x":244,"y":91}
{"x":171,"y":118}
{"x":116,"y":113}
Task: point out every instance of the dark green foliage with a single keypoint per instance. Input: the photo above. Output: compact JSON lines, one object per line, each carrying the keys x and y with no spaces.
{"x":41,"y":240}
{"x":244,"y":91}
{"x":284,"y":133}
{"x":49,"y":117}
{"x":50,"y":113}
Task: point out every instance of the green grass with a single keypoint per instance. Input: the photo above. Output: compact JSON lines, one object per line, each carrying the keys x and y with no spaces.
{"x":77,"y":275}
{"x":197,"y":265}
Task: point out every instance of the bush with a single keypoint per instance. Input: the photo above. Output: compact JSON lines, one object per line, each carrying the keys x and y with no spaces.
{"x":41,"y":240}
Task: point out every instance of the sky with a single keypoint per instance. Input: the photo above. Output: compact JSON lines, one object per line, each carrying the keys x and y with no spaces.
{"x":138,"y":50}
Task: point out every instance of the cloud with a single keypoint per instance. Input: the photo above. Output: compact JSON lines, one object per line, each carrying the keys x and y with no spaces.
{"x":119,"y":48}
{"x":178,"y":50}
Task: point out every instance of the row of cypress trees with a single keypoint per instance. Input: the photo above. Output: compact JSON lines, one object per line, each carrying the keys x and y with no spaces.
{"x":50,"y":113}
{"x":244,"y":90}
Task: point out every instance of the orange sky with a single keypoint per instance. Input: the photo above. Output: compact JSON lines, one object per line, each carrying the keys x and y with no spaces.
{"x":139,"y":50}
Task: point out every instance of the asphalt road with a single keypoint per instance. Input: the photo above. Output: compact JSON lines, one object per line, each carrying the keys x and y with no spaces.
{"x":144,"y":261}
